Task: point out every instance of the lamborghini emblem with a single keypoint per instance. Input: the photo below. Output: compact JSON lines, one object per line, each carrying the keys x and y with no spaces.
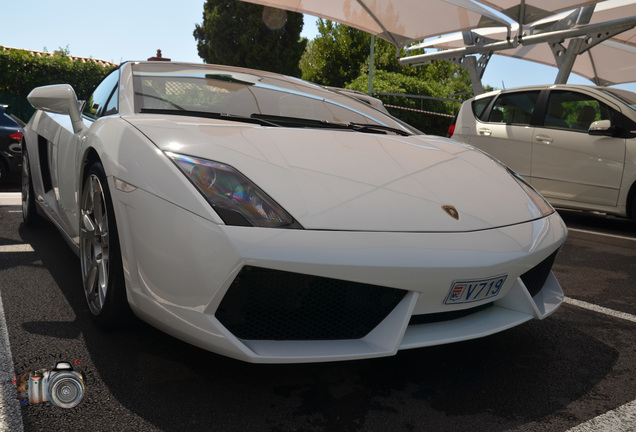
{"x":451,"y":211}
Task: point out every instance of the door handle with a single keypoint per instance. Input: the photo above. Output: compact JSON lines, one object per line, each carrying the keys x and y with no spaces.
{"x":484,"y":131}
{"x":544,"y":139}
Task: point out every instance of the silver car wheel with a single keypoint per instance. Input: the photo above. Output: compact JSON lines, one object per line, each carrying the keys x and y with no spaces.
{"x":94,"y":244}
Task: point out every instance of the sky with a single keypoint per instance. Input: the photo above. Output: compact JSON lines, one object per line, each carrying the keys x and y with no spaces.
{"x":120,"y":30}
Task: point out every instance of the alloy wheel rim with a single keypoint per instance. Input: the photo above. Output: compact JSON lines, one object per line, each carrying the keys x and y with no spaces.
{"x":94,"y":244}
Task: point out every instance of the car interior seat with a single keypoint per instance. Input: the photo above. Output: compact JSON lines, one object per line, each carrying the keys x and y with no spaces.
{"x":496,"y":116}
{"x":585,"y":118}
{"x":553,"y":116}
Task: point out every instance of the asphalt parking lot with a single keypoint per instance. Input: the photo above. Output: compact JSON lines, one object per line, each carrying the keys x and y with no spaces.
{"x":574,"y":371}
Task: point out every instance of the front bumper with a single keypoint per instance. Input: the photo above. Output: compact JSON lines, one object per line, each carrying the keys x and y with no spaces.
{"x":182,"y":271}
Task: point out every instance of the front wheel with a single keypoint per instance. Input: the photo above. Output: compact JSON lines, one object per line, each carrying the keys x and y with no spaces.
{"x":4,"y":172}
{"x":100,"y":254}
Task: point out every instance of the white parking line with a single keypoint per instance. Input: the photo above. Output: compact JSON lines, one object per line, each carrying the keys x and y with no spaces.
{"x":622,"y":419}
{"x":602,"y":234}
{"x":600,"y":309}
{"x":10,"y":198}
{"x":10,"y":416}
{"x":16,"y":248}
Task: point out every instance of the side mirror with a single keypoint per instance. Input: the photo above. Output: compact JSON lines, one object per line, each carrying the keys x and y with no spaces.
{"x":602,"y":128}
{"x":59,"y":99}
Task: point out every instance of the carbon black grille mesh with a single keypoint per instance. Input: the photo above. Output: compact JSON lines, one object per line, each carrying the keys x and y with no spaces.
{"x":265,"y":304}
{"x":535,"y":278}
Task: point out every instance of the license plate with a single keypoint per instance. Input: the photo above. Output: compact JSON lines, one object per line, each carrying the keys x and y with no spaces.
{"x":468,"y":291}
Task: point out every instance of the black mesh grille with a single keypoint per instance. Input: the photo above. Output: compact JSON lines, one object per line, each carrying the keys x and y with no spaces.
{"x":265,"y":304}
{"x":536,"y":277}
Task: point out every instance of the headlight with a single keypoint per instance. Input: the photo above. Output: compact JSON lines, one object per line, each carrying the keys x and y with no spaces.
{"x":542,"y":206}
{"x":233,"y":196}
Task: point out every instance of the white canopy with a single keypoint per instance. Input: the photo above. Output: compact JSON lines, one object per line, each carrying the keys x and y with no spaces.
{"x":611,"y":61}
{"x":397,"y":21}
{"x":405,"y":21}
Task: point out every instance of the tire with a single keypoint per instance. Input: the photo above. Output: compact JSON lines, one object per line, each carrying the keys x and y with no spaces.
{"x":4,"y":172}
{"x":30,"y":214}
{"x":100,"y":254}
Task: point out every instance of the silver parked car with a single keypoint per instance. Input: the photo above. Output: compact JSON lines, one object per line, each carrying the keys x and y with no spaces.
{"x":575,"y":144}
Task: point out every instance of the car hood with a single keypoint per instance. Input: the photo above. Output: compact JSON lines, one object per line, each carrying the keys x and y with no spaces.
{"x":344,"y":180}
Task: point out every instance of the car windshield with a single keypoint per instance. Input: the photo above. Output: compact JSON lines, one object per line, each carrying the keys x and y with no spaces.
{"x":625,"y":96}
{"x":235,"y":94}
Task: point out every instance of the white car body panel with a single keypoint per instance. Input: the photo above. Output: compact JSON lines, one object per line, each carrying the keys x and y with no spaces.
{"x":516,"y":153}
{"x":588,"y":170}
{"x":371,"y":210}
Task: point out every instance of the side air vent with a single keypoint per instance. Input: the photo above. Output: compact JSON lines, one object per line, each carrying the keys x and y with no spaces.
{"x":43,"y":152}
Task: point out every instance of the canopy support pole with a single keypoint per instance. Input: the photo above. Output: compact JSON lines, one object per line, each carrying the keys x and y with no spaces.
{"x":371,"y":64}
{"x":565,"y":58}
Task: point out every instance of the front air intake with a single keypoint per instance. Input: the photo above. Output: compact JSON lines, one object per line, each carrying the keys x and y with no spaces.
{"x":264,"y":304}
{"x":535,"y":278}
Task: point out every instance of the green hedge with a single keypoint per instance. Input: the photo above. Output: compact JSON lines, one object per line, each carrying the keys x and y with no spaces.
{"x":21,"y":71}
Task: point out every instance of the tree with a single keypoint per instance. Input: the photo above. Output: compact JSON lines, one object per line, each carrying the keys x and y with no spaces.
{"x":339,"y":57}
{"x":335,"y":56}
{"x":243,"y":34}
{"x":21,"y":71}
{"x":403,"y":84}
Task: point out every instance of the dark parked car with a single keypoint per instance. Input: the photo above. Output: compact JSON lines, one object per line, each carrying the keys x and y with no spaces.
{"x":10,"y":145}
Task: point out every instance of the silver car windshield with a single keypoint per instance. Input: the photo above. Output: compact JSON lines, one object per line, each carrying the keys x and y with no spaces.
{"x":243,"y":93}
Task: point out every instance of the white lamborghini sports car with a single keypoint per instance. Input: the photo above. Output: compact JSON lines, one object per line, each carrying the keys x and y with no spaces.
{"x":272,"y":220}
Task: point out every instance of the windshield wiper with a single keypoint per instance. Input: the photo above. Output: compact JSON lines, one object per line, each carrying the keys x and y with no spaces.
{"x":207,"y":114}
{"x":311,"y":123}
{"x":298,"y":121}
{"x":372,"y":127}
